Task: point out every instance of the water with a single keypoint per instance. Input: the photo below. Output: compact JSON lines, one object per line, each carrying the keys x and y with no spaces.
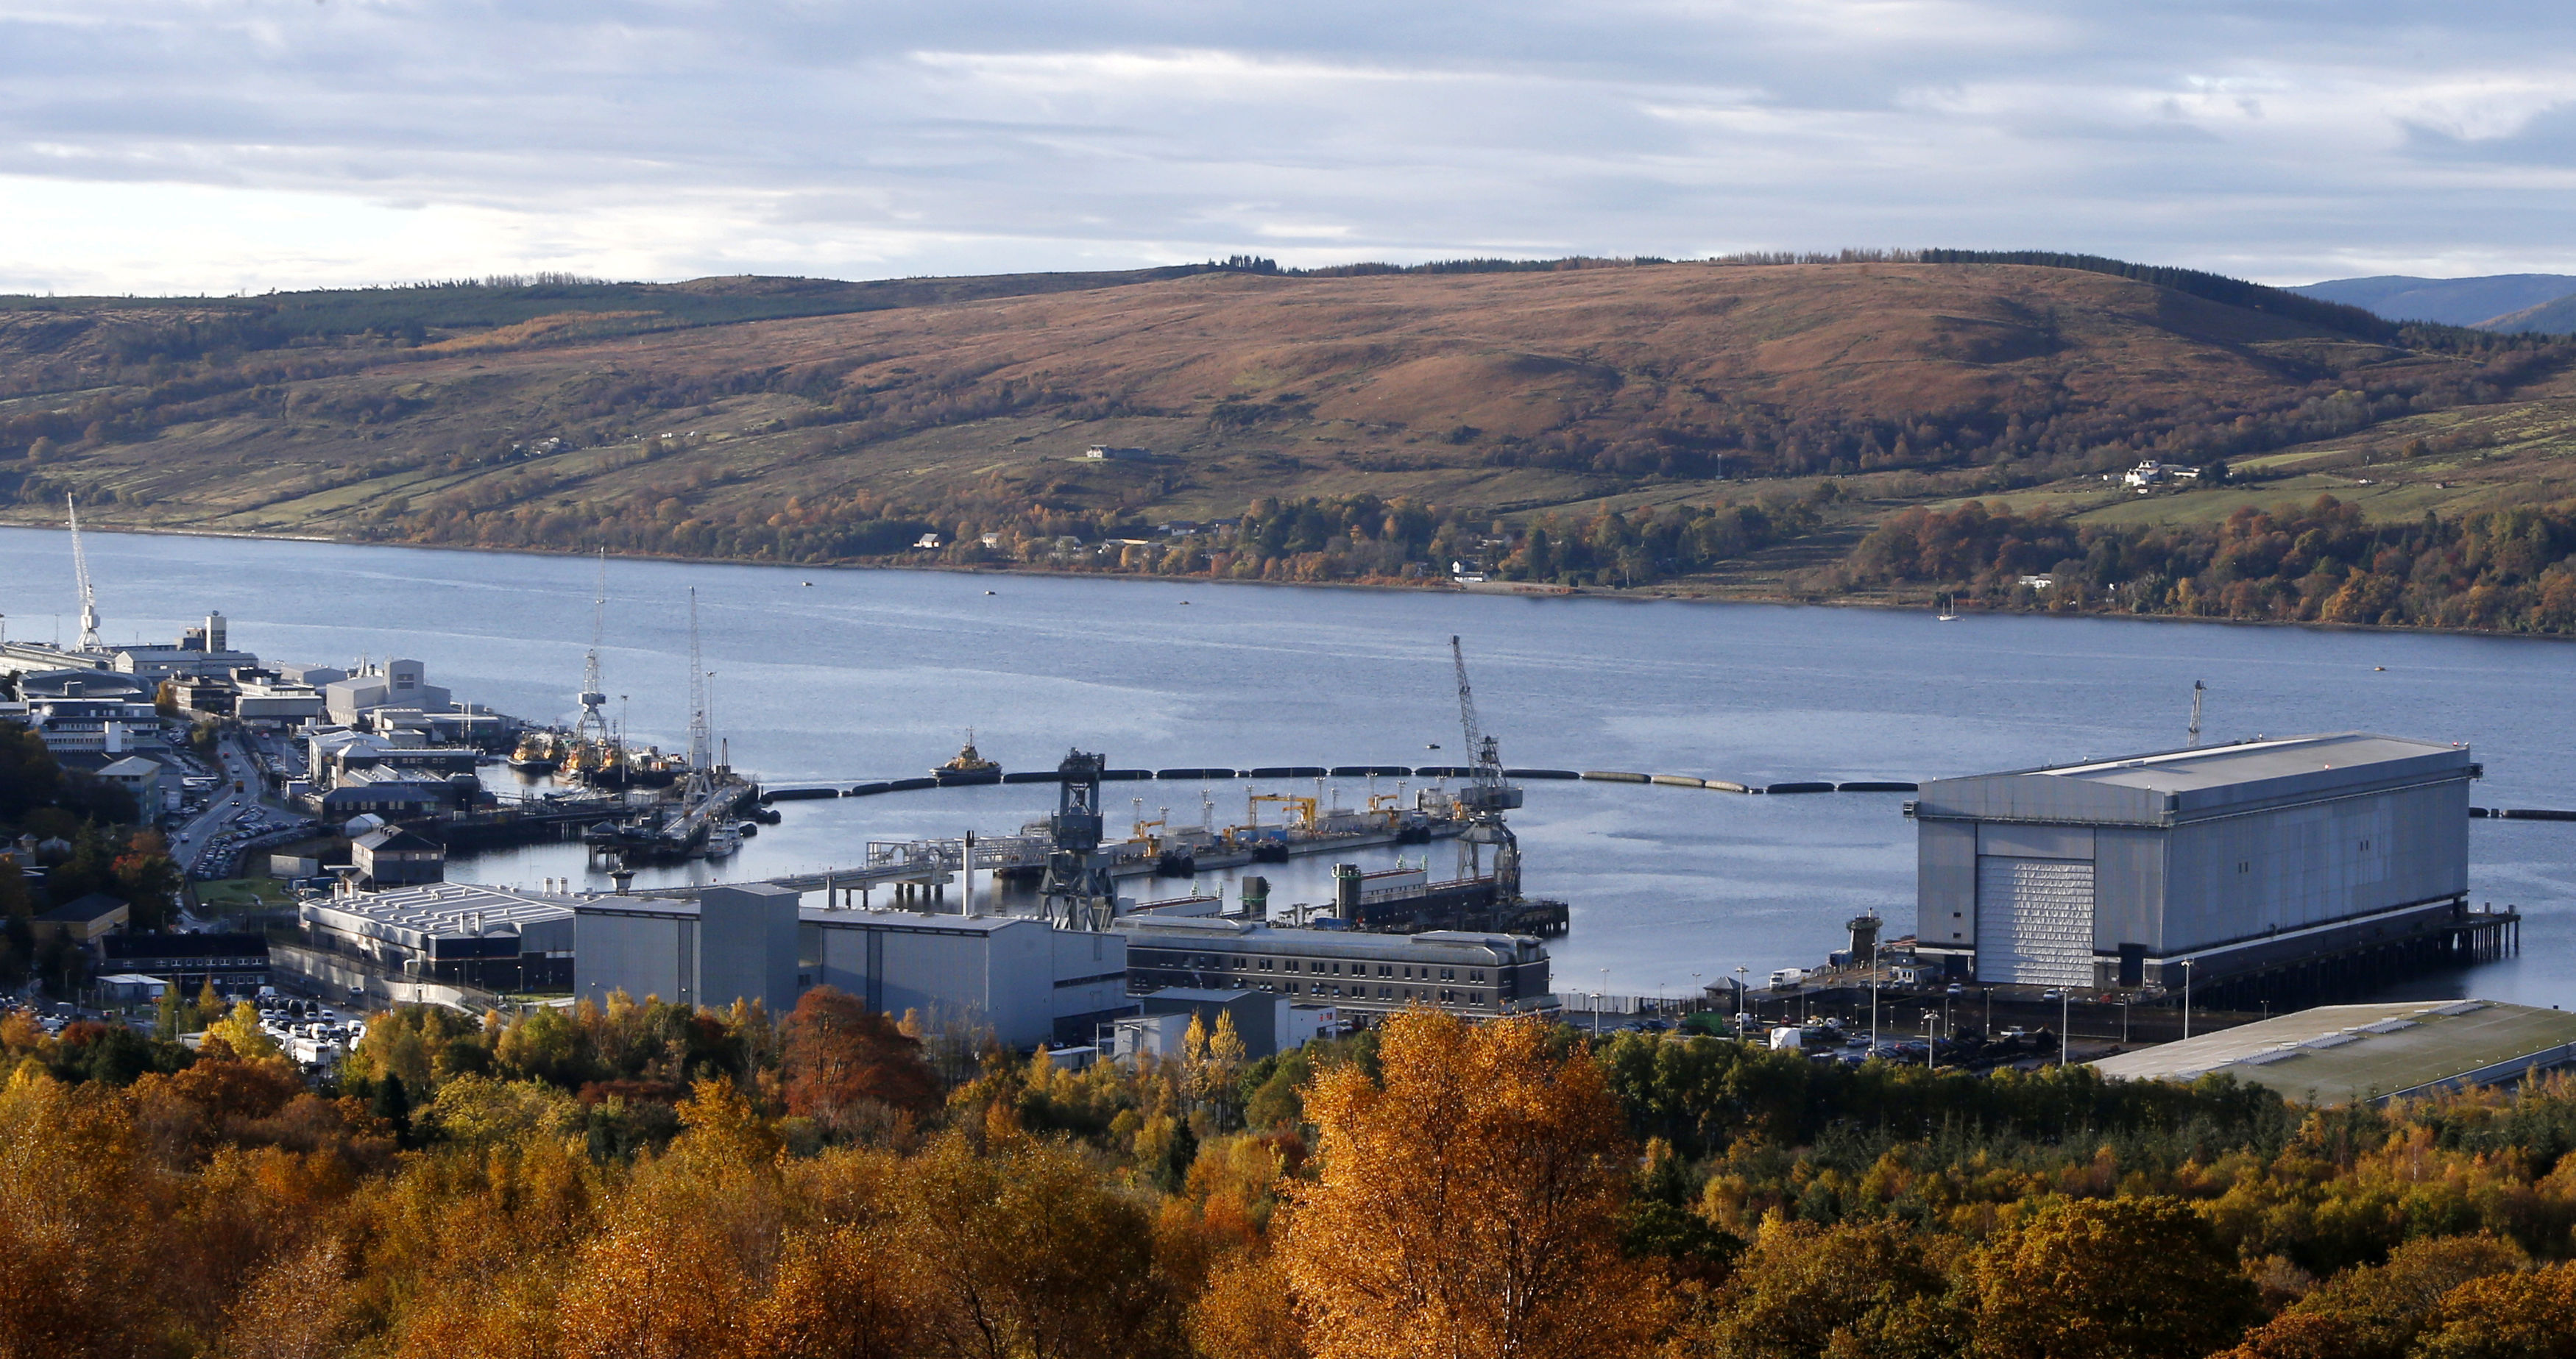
{"x":876,"y":674}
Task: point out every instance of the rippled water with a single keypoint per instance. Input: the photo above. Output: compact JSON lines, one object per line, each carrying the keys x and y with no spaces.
{"x":875,"y":674}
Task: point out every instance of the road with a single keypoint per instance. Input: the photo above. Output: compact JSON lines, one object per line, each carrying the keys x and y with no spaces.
{"x":194,"y":844}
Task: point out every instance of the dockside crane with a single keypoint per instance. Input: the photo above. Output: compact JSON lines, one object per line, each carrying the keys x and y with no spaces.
{"x":89,"y":640}
{"x":1486,"y":797}
{"x":1079,"y":890}
{"x":591,"y":729}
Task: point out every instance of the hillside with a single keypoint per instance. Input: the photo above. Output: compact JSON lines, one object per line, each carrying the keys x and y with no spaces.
{"x":1712,"y":399}
{"x":2494,"y":302}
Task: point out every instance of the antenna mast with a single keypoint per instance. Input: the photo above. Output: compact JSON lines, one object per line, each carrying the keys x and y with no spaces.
{"x":80,"y":569}
{"x":2197,"y":689}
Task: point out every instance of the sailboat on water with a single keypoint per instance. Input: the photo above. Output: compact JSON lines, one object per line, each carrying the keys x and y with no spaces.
{"x":1941,"y":611}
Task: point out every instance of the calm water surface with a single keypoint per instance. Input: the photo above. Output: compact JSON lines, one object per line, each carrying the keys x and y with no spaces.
{"x":876,"y":674}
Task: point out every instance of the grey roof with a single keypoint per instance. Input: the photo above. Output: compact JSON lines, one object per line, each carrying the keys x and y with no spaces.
{"x":412,"y":915}
{"x":2170,"y":785}
{"x":2337,"y":1053}
{"x":88,"y":683}
{"x":397,"y":839}
{"x":86,"y":909}
{"x":131,"y":767}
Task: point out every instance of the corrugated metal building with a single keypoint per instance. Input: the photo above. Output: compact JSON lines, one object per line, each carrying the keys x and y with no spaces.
{"x":1028,"y":981}
{"x":2237,"y":858}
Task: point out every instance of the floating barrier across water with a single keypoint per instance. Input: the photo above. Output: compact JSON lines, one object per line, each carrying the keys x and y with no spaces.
{"x":1434,"y":771}
{"x":797,"y":794}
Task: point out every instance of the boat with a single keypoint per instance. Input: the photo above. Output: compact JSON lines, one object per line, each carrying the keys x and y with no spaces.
{"x":1942,"y":611}
{"x":723,"y":838}
{"x":538,"y":752}
{"x":969,"y":765}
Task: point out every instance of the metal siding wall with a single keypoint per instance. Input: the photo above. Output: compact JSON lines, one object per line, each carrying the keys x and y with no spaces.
{"x":2301,"y":866}
{"x":639,"y":955}
{"x":1945,"y":882}
{"x":2128,"y":887}
{"x":2035,"y":842}
{"x":941,"y":975}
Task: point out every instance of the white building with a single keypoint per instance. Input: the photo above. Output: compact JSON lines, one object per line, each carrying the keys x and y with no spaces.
{"x":394,"y":684}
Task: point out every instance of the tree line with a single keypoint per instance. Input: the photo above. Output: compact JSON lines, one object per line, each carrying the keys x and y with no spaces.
{"x":2507,"y":570}
{"x":638,"y":1178}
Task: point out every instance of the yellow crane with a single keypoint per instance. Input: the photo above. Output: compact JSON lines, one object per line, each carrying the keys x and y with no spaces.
{"x":1302,"y":806}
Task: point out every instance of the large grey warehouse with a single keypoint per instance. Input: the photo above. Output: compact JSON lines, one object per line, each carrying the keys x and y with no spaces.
{"x":1029,"y":981}
{"x":2233,"y":859}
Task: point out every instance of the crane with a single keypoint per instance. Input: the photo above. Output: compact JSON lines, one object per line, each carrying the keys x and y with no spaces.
{"x":1485,"y":798}
{"x":592,"y":728}
{"x":80,"y":568}
{"x":1485,"y":790}
{"x":702,"y":752}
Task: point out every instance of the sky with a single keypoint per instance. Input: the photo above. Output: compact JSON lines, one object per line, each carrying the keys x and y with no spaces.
{"x":221,"y":146}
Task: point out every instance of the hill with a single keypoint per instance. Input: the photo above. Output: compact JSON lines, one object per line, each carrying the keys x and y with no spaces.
{"x":1704,"y":405}
{"x":2554,"y":317}
{"x":2495,"y":302}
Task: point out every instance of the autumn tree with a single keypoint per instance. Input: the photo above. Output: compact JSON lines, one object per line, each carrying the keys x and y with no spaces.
{"x":1468,"y":1203}
{"x":2378,"y":1311}
{"x":2517,"y":1315}
{"x":2128,"y":1278}
{"x":842,"y":1059}
{"x":1804,"y":1291}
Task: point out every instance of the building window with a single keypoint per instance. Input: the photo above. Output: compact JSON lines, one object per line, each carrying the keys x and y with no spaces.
{"x":1265,"y":964}
{"x":1448,"y":974}
{"x":1475,"y":976}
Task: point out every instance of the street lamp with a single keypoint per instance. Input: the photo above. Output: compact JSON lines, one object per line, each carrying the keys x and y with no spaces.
{"x":2065,"y":1016}
{"x":2186,"y":997}
{"x":1931,"y":1044}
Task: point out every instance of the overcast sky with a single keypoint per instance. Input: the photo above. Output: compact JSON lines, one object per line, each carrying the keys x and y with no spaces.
{"x":242,"y":145}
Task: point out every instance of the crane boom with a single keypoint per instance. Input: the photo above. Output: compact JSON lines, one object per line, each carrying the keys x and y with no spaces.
{"x":1466,"y":700}
{"x":80,"y":568}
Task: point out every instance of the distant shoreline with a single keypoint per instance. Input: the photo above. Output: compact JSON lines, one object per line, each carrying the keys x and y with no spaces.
{"x":1502,"y":589}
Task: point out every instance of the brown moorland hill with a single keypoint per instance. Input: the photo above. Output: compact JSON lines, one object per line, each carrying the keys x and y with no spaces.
{"x":626,"y":425}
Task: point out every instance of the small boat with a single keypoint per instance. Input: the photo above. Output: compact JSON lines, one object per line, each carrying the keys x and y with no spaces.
{"x":968,"y":764}
{"x":1942,"y":611}
{"x":722,"y":840}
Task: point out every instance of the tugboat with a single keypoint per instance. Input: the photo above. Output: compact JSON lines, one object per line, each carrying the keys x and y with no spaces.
{"x":969,"y":766}
{"x":538,"y":752}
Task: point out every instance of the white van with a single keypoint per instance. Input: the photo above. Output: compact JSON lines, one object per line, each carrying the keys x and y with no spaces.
{"x":1788,"y":976}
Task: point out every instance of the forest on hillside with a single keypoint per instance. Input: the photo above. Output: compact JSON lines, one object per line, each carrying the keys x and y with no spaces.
{"x":2505,"y":571}
{"x":642,"y":1179}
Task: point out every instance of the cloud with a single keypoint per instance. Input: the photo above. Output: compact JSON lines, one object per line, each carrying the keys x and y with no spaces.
{"x":150,"y":145}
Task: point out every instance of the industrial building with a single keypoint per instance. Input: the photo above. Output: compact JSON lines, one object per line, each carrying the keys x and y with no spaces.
{"x":390,"y":856}
{"x":1457,"y":970}
{"x":491,"y":937}
{"x":1024,"y":979}
{"x":2259,"y":858}
{"x":2342,"y":1054}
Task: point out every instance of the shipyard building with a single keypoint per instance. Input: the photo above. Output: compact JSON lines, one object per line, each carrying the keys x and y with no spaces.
{"x":1462,"y":971}
{"x":1025,"y":979}
{"x":2260,"y":857}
